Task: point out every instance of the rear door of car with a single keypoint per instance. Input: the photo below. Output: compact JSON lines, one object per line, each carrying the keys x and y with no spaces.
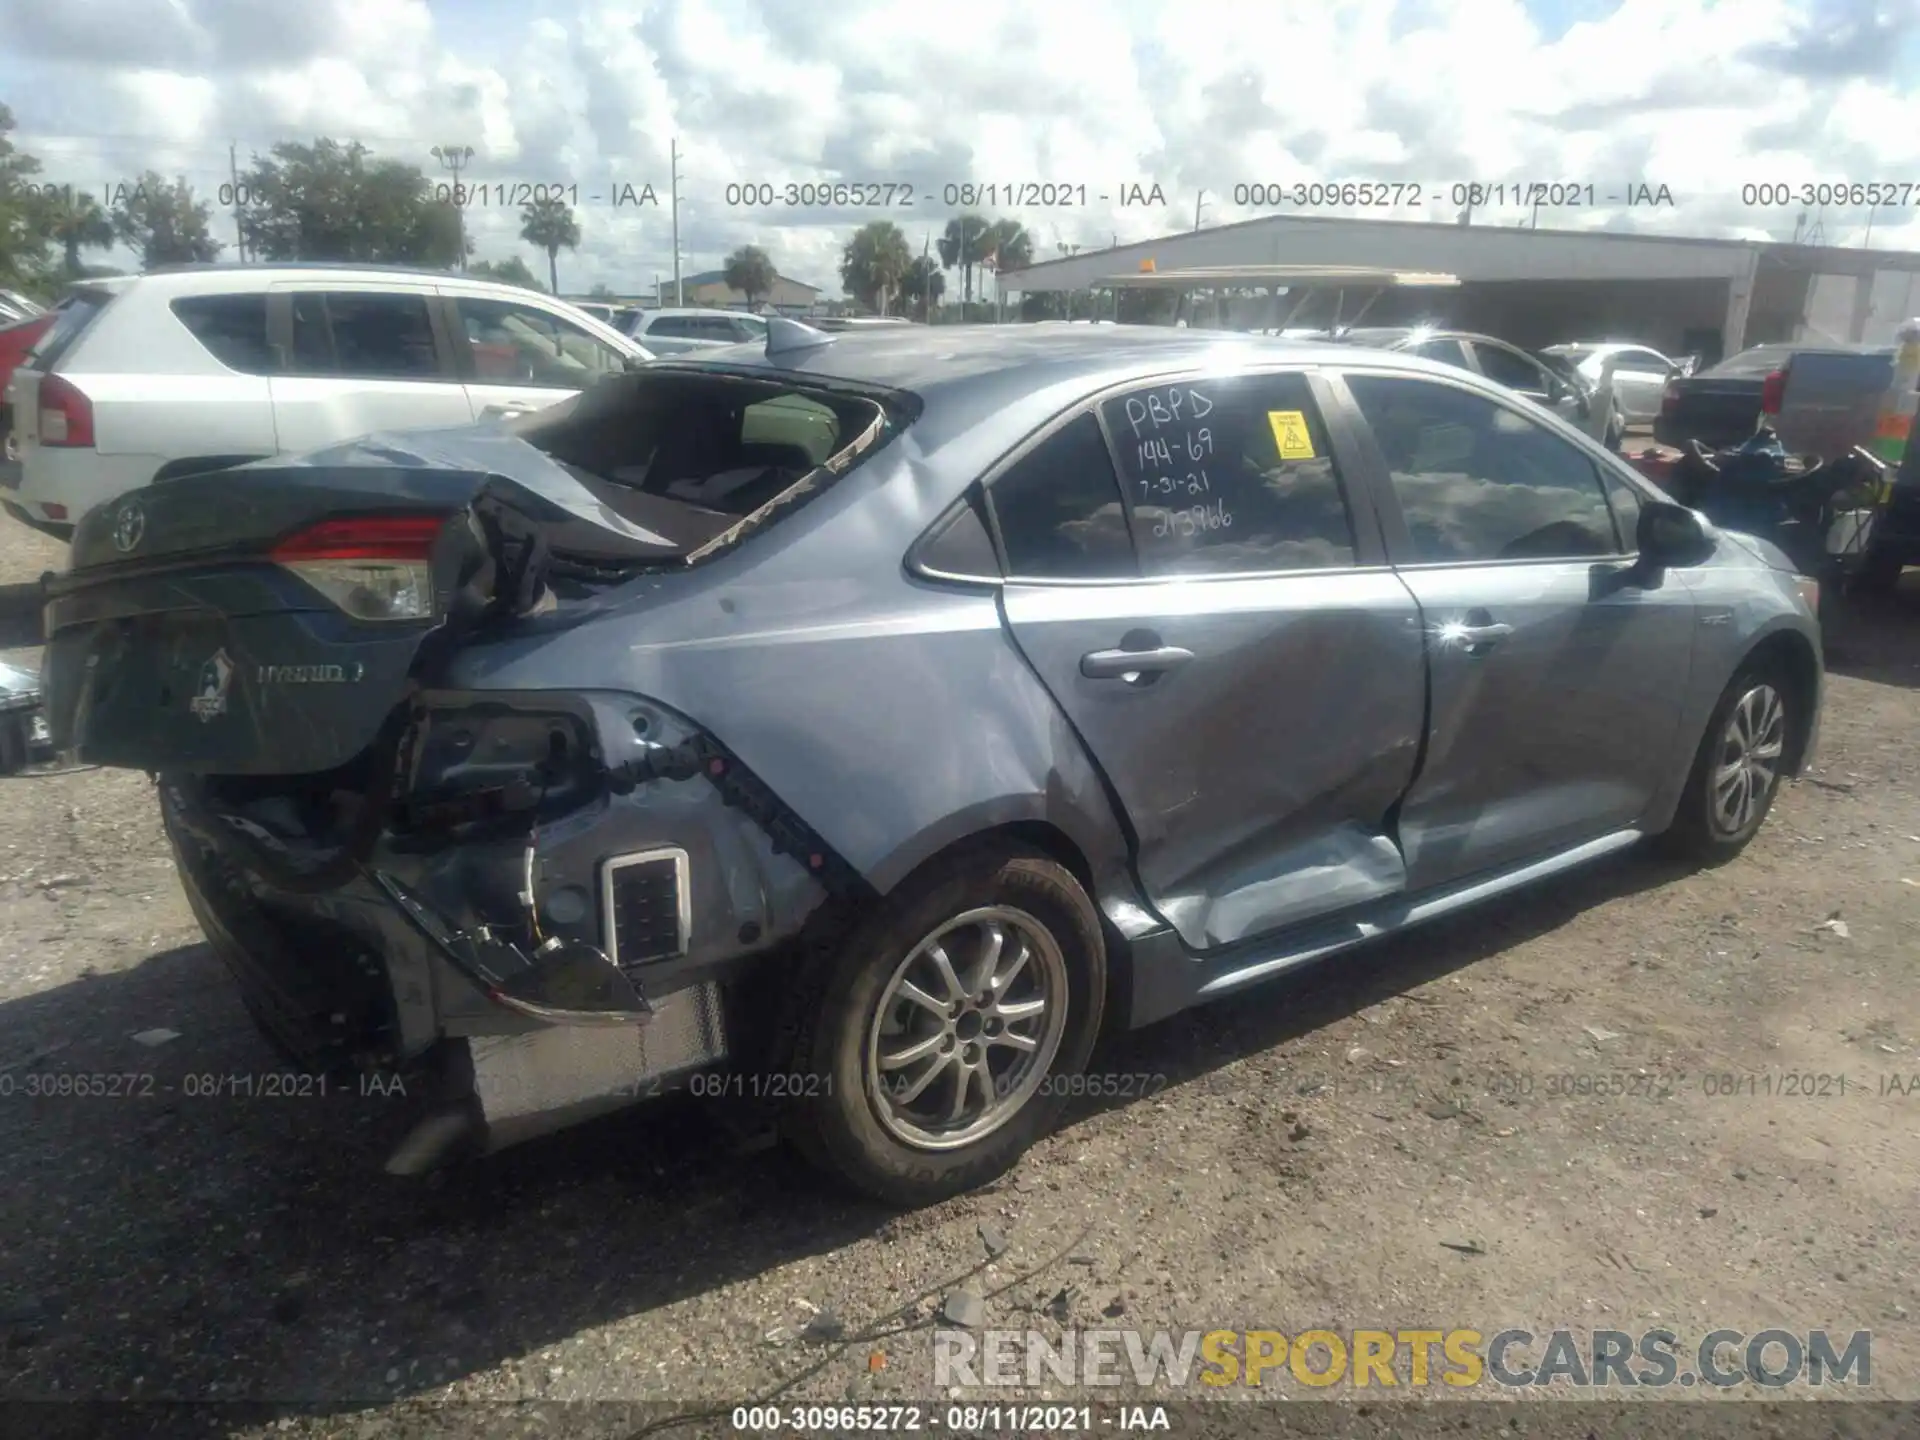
{"x":1556,"y":682}
{"x":356,"y":357}
{"x":1204,"y":593}
{"x":517,"y":356}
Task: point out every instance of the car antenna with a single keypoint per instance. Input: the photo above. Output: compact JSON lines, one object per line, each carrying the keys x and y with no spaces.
{"x":785,"y":337}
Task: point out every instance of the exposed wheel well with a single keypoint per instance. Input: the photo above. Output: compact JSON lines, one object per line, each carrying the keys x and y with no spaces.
{"x":1053,"y":842}
{"x":1794,"y":658}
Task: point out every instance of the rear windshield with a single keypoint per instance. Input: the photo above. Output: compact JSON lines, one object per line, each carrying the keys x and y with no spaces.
{"x":71,"y":316}
{"x":1759,"y":361}
{"x":691,"y":456}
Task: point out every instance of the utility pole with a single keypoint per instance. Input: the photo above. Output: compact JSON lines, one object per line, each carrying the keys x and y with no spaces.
{"x":673,"y":152}
{"x":240,"y":232}
{"x":926,"y":280}
{"x":1198,"y":201}
{"x":455,"y":159}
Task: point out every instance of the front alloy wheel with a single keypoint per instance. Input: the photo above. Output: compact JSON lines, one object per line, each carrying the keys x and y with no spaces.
{"x":1747,"y":769}
{"x":935,"y":1042}
{"x":1738,"y":768}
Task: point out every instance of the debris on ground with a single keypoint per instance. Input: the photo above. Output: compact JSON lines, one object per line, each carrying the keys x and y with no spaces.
{"x":964,"y":1308}
{"x":994,"y":1238}
{"x":155,"y":1037}
{"x":1464,"y":1247}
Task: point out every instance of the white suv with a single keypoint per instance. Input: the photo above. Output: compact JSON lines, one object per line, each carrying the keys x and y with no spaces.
{"x":680,"y":332}
{"x":178,"y":371}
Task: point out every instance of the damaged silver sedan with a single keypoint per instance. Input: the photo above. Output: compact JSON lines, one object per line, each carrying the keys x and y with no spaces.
{"x":875,"y":718}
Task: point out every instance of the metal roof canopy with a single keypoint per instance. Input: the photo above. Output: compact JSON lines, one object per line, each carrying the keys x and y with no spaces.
{"x":1286,"y":277}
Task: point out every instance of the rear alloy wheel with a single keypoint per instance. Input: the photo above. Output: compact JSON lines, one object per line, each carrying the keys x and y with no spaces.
{"x":1737,"y":770}
{"x":939,"y":1042}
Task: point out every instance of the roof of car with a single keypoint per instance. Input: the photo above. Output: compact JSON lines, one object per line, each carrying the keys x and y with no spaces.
{"x":925,"y":359}
{"x":197,"y":277}
{"x":651,"y":313}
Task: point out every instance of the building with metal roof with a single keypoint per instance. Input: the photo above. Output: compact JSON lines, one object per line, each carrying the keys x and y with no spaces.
{"x":1531,"y":286}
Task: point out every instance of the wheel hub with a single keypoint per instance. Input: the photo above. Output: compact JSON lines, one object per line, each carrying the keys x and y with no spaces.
{"x":966,"y":1028}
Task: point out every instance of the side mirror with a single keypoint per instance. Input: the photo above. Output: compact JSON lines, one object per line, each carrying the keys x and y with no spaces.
{"x":630,"y":363}
{"x":1670,"y":535}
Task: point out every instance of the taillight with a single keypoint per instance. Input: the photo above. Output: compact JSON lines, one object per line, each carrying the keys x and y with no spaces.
{"x":66,"y":416}
{"x":1669,"y":397}
{"x":1772,"y":390}
{"x":375,"y":568}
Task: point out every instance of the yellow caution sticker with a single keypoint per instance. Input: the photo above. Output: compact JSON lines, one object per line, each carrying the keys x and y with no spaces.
{"x":1291,"y":435}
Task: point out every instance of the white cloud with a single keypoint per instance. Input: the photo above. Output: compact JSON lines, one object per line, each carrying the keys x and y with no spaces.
{"x":1700,"y":95}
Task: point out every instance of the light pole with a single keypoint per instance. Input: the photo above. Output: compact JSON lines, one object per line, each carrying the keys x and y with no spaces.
{"x":673,"y":164}
{"x":454,"y":158}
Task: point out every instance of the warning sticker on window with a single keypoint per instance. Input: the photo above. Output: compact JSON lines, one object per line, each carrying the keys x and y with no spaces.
{"x":1290,"y":434}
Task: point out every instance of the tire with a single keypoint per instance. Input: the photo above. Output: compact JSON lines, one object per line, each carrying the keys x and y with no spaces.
{"x":1709,"y":833}
{"x":900,"y":1148}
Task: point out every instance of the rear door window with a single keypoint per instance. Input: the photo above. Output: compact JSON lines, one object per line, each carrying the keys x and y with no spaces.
{"x":231,"y":328}
{"x":367,"y":334}
{"x":1447,"y":352}
{"x":1230,"y":476}
{"x":1511,"y":369}
{"x":1059,"y":512}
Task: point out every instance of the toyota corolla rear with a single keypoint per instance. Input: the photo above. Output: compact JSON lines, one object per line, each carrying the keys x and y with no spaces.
{"x":488,"y":886}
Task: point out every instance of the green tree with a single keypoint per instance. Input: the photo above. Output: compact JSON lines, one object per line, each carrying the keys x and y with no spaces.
{"x":164,"y":222}
{"x":511,"y":271}
{"x":1008,"y":246}
{"x":329,"y":201}
{"x":923,"y":285}
{"x":750,"y":271}
{"x":962,"y":246}
{"x":23,"y":219}
{"x":548,"y":224}
{"x":78,"y":222}
{"x":875,"y":262}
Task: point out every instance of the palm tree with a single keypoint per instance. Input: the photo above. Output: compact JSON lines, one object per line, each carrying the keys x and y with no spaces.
{"x":924,"y":285}
{"x":961,"y":247}
{"x":548,"y":224}
{"x":750,"y":271}
{"x":874,"y":263}
{"x":1006,"y":246}
{"x":79,"y":223}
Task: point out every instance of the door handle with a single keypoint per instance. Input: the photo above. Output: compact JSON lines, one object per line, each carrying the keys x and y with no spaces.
{"x":1118,"y":664}
{"x":1477,"y":638}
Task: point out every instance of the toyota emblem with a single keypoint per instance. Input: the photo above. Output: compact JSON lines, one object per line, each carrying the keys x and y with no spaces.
{"x":129,"y":527}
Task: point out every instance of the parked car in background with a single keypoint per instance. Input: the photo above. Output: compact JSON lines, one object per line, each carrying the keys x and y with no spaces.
{"x":605,"y":314}
{"x":1640,"y":375}
{"x":17,"y":337}
{"x":1723,"y":405}
{"x":681,"y":331}
{"x":1551,"y":384}
{"x":143,"y":378}
{"x":667,"y":802}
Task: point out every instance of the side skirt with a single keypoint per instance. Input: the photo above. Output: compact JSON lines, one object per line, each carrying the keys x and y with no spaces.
{"x":1168,"y":978}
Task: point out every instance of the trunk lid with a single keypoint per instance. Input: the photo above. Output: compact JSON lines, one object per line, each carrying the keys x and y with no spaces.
{"x":273,"y":619}
{"x":202,"y":626}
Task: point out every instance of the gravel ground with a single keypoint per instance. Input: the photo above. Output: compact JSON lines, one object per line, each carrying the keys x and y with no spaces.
{"x":1386,"y":1141}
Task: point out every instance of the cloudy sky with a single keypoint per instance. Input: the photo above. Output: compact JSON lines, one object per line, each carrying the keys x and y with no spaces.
{"x":1197,"y":97}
